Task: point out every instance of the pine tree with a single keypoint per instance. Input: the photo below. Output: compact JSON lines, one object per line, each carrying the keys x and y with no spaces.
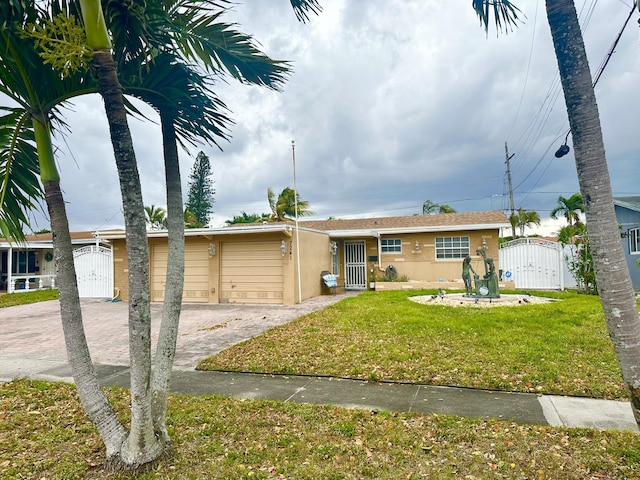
{"x":200,"y":200}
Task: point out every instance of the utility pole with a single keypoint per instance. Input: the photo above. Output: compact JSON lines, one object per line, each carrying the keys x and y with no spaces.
{"x":513,"y":210}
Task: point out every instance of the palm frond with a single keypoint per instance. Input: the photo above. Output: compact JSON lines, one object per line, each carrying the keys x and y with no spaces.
{"x":19,"y":172}
{"x":202,"y":37}
{"x":505,"y":13}
{"x":303,"y":8}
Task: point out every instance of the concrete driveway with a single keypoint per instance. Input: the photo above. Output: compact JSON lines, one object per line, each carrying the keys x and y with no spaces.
{"x":34,"y":332}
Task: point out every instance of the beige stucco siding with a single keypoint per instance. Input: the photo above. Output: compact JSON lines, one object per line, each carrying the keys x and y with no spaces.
{"x":315,"y":257}
{"x":120,"y":269}
{"x":421,"y":263}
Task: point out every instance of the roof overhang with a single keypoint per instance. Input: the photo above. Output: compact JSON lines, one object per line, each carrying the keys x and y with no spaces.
{"x":367,"y":233}
{"x":286,"y":229}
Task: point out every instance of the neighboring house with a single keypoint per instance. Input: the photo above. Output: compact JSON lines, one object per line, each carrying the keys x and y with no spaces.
{"x":258,"y":263}
{"x":628,"y":216}
{"x":30,"y":266}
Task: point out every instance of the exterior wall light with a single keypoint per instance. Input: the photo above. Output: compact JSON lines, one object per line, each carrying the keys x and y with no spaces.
{"x":333,"y":248}
{"x":283,"y":248}
{"x":212,"y":249}
{"x":417,"y":245}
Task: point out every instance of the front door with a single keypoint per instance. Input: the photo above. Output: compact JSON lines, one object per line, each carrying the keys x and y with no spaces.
{"x":355,"y":265}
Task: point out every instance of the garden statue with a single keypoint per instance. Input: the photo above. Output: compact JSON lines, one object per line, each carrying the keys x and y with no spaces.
{"x":488,"y":285}
{"x":466,"y":276}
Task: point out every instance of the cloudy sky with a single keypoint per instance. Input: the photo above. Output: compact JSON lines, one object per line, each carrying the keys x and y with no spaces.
{"x":391,"y":103}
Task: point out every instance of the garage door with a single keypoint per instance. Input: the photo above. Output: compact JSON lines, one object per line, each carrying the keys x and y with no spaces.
{"x":251,"y":273}
{"x":196,"y":273}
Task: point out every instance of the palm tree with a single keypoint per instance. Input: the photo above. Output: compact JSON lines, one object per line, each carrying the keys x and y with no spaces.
{"x":245,"y":217}
{"x":570,"y":208}
{"x":284,"y":207}
{"x":141,"y":444}
{"x":39,"y":89}
{"x":611,"y":270}
{"x":523,"y":219}
{"x":156,"y":217}
{"x":429,"y":208}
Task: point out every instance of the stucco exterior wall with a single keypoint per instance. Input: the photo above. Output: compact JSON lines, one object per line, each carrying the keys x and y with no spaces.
{"x":204,"y":254}
{"x":120,"y":269}
{"x":314,"y":258}
{"x":421,"y":264}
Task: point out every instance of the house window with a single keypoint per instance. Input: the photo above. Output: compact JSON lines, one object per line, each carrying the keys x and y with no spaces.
{"x":335,"y":261}
{"x":452,"y":247}
{"x":634,"y":240}
{"x":391,"y":245}
{"x":23,"y":262}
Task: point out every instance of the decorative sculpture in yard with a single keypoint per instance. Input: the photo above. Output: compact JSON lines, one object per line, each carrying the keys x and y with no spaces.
{"x":486,"y":287}
{"x":466,"y":275}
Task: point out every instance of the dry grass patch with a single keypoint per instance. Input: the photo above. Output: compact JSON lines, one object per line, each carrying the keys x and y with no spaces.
{"x":45,"y":434}
{"x":559,"y":348}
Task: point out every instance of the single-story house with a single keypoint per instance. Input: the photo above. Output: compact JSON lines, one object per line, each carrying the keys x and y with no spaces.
{"x":29,"y":265}
{"x":259,"y":263}
{"x":628,"y":216}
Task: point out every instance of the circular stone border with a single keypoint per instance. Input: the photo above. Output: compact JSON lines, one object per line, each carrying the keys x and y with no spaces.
{"x":460,"y":300}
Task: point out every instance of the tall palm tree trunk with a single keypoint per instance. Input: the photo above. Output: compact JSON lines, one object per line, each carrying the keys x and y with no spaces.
{"x":142,"y":445}
{"x":174,"y":285}
{"x":91,"y":395}
{"x":612,"y":273}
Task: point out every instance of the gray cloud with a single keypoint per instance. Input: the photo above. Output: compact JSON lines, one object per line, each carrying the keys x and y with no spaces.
{"x":390,"y":103}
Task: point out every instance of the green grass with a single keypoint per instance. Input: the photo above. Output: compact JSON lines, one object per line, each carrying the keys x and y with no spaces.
{"x":560,"y":347}
{"x":45,"y":434}
{"x":24,"y":298}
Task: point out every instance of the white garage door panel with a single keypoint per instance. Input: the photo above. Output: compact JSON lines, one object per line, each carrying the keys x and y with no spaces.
{"x":251,"y":273}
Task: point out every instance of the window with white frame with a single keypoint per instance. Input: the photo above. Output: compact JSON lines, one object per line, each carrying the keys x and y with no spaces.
{"x":391,"y":245}
{"x":452,"y":247}
{"x":634,"y":241}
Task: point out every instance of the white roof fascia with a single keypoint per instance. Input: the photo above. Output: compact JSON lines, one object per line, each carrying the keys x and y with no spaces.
{"x":401,"y":230}
{"x":193,"y":232}
{"x":42,"y":244}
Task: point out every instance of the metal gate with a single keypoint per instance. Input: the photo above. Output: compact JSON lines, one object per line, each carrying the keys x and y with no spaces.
{"x":355,"y":265}
{"x":533,"y":263}
{"x":94,"y":270}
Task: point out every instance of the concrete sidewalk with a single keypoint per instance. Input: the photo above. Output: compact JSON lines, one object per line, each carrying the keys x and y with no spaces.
{"x":31,"y":346}
{"x":398,"y":397}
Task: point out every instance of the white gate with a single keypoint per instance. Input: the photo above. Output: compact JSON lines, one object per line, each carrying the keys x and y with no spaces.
{"x":94,"y":270}
{"x":355,"y":265}
{"x":533,"y":263}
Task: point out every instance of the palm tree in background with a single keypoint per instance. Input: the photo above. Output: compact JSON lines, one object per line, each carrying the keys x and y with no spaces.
{"x":523,"y":219}
{"x":611,"y":270}
{"x":429,"y":208}
{"x":284,"y":206}
{"x":156,"y":217}
{"x":569,"y":208}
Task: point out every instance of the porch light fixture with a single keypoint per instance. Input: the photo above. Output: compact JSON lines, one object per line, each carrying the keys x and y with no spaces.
{"x":333,"y":248}
{"x":212,"y":249}
{"x":283,"y":248}
{"x":417,"y":245}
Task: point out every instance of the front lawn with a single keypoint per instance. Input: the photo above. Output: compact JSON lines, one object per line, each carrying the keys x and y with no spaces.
{"x":24,"y":298}
{"x":555,"y":348}
{"x":44,"y":434}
